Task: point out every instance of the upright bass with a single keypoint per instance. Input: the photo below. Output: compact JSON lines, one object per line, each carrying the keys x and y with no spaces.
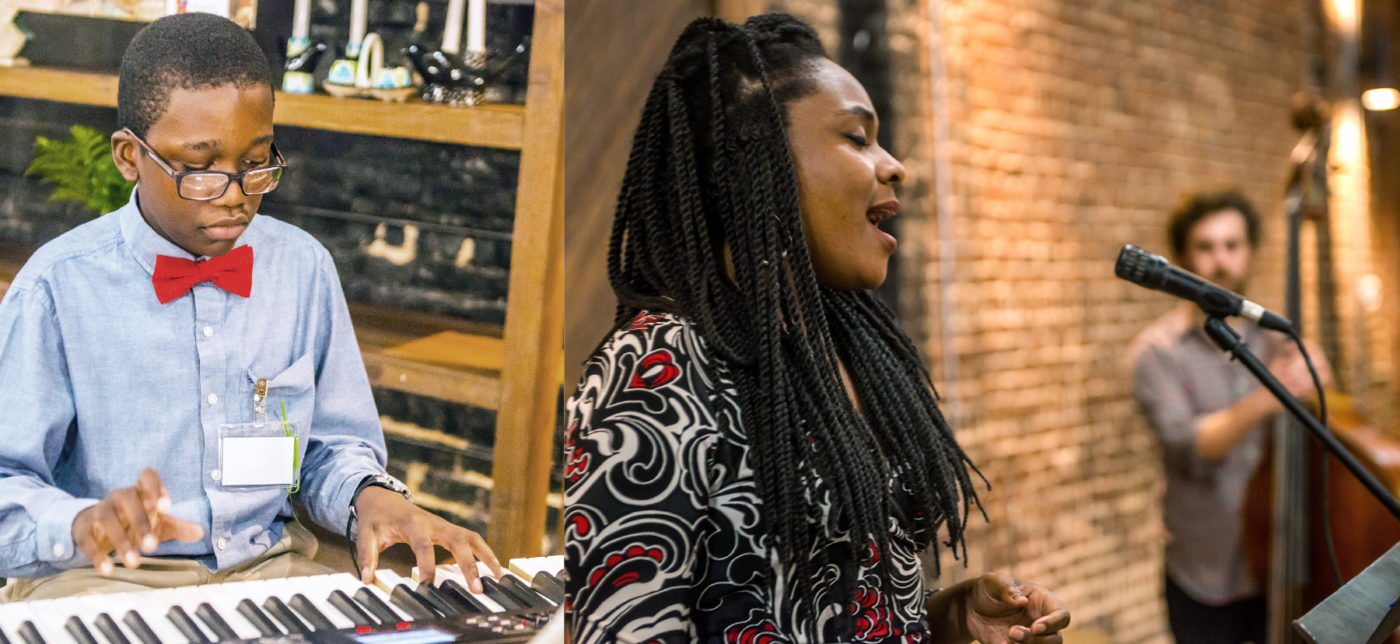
{"x":1286,"y":512}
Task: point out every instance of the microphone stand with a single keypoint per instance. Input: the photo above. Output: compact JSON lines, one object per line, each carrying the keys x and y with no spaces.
{"x":1230,"y":342}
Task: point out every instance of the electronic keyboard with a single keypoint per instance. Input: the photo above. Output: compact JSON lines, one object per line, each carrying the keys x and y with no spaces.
{"x":332,"y":608}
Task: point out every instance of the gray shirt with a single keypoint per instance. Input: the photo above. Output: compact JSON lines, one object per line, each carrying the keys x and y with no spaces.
{"x":1180,"y":377}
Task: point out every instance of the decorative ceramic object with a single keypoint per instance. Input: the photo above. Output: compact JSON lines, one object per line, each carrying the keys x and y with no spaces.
{"x":302,"y":57}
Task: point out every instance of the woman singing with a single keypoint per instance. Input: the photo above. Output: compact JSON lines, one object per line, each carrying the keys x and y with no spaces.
{"x":755,"y":453}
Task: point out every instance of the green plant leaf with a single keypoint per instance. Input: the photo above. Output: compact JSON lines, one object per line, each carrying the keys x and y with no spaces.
{"x":80,"y":168}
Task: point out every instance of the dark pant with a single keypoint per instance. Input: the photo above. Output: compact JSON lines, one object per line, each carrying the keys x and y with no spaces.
{"x":1196,"y":623}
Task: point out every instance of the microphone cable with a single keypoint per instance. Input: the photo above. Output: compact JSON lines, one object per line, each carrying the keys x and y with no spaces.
{"x":1322,"y":416}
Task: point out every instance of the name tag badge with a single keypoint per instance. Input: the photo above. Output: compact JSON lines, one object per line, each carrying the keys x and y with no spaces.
{"x":258,"y":454}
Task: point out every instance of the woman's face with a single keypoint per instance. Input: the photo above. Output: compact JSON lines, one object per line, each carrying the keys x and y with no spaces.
{"x":845,"y":180}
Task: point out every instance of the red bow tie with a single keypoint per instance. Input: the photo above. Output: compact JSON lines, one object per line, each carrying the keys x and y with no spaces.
{"x":232,"y":272}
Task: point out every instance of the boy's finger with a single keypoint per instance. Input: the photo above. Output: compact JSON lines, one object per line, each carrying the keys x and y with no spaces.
{"x":367,"y":553}
{"x":179,"y":529}
{"x":483,"y":552}
{"x":425,"y":556}
{"x":148,"y":485}
{"x":103,"y":543}
{"x":130,"y":512}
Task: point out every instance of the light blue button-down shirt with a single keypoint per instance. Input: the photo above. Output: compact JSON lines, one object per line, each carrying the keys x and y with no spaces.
{"x":99,"y":380}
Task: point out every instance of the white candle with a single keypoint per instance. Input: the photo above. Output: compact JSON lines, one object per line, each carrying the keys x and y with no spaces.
{"x":452,"y":27}
{"x":476,"y":26}
{"x":359,"y":12}
{"x":301,"y":19}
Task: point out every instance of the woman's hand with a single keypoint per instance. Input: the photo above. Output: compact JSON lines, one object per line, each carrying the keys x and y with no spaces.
{"x":1002,"y":609}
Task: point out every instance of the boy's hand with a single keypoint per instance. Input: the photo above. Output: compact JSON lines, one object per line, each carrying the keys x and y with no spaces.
{"x":386,"y":518}
{"x":128,"y":518}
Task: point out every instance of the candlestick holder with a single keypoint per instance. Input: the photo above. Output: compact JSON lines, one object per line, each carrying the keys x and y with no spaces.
{"x":302,"y":56}
{"x":362,"y":73}
{"x":459,"y":81}
{"x":447,"y":78}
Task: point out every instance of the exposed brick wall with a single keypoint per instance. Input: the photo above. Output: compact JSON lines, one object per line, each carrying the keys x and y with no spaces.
{"x":1074,"y":128}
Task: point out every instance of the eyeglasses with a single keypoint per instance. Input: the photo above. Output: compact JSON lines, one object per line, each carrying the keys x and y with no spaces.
{"x":204,"y":185}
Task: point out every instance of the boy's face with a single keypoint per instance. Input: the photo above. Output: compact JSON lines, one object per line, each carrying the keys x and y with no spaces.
{"x":227,"y":128}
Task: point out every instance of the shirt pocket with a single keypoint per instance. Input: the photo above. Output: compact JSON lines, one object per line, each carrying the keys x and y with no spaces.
{"x":293,"y":390}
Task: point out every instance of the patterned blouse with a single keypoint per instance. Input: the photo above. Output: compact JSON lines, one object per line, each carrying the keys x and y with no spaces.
{"x":663,"y":539}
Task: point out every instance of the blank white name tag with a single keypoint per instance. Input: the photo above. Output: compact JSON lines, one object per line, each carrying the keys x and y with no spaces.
{"x":257,"y":460}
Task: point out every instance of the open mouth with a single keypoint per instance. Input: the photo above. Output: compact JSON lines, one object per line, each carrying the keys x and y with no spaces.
{"x":880,"y":213}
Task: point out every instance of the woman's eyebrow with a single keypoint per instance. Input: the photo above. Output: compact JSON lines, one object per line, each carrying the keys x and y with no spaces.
{"x":858,"y":110}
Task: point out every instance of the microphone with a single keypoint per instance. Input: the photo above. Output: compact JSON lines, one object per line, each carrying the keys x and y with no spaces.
{"x":1150,"y":271}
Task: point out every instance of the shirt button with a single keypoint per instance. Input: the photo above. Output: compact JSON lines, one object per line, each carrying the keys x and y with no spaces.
{"x":208,"y":331}
{"x":220,"y":545}
{"x":216,"y":475}
{"x":213,"y":399}
{"x":58,"y":550}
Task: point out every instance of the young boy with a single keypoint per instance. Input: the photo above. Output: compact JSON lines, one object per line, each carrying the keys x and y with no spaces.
{"x":138,"y":351}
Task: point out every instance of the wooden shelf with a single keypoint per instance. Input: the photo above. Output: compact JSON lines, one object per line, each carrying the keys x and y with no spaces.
{"x":496,"y":126}
{"x":430,"y":355}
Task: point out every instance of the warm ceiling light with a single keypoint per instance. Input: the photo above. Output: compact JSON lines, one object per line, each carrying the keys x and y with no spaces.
{"x":1380,"y":99}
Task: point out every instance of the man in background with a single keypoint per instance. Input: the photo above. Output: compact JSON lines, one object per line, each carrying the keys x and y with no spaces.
{"x":1211,"y":416}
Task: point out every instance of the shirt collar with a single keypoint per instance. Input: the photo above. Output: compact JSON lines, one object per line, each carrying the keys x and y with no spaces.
{"x":146,"y":243}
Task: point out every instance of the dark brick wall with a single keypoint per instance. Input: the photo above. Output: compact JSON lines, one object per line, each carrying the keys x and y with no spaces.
{"x":341,"y":187}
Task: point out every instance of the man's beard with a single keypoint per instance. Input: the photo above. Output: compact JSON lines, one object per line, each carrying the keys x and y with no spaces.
{"x":1236,"y":283}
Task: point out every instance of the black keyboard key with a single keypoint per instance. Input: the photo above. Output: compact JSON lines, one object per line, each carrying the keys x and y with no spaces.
{"x":519,"y":589}
{"x":187,"y":627}
{"x":215,"y":622}
{"x":110,"y":630}
{"x":78,"y":630}
{"x":350,"y":609}
{"x":549,"y":585}
{"x":3,"y":639}
{"x":411,"y":603}
{"x":309,"y":612}
{"x":284,"y":615}
{"x":376,"y":606}
{"x":506,"y":600}
{"x":30,"y":634}
{"x":454,"y":591}
{"x":258,"y":619}
{"x":138,"y":625}
{"x":440,"y":604}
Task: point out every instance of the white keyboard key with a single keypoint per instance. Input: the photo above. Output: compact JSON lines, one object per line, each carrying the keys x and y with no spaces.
{"x":387,"y":579}
{"x":43,"y":614}
{"x":528,"y":567}
{"x":11,"y":617}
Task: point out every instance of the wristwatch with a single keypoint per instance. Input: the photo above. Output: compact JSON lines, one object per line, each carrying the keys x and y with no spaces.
{"x":376,"y":480}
